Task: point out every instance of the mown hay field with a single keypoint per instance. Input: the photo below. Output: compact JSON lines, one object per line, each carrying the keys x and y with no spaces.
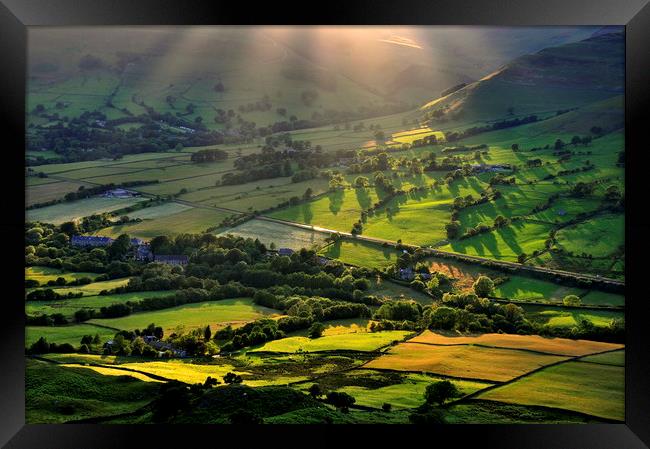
{"x":557,"y":346}
{"x":468,"y":362}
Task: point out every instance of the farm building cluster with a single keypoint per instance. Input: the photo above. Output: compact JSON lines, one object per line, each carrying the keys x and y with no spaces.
{"x":141,"y":249}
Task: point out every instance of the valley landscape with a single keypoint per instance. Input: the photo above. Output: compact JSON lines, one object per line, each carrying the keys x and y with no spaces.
{"x":277,"y":225}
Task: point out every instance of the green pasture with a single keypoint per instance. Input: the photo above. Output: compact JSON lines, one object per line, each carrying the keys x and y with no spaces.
{"x":71,"y":334}
{"x":599,"y":236}
{"x":69,"y":306}
{"x":74,"y":210}
{"x":194,"y":220}
{"x":283,"y":236}
{"x":361,"y":341}
{"x":582,"y":387}
{"x":45,"y":274}
{"x":360,"y":253}
{"x":505,"y":243}
{"x":191,"y":316}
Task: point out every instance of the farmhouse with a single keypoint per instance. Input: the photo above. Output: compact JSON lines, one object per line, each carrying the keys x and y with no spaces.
{"x":285,"y":251}
{"x":120,"y":193}
{"x":172,"y":259}
{"x":481,"y":168}
{"x":143,"y":252}
{"x":89,"y":240}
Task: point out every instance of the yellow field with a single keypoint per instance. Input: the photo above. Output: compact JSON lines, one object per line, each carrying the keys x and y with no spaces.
{"x":113,"y":372}
{"x":471,"y":362}
{"x":560,"y":346}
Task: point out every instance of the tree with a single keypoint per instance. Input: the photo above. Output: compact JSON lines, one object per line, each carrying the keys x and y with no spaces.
{"x":245,"y":417}
{"x":571,"y":300}
{"x":386,"y":407}
{"x":69,"y":228}
{"x":340,"y":400}
{"x":207,"y":333}
{"x":515,"y":147}
{"x":443,"y":318}
{"x":441,"y":391}
{"x":453,"y":229}
{"x":232,"y":378}
{"x":500,"y":221}
{"x":483,"y":286}
{"x":521,"y":258}
{"x":119,"y":247}
{"x":308,"y":193}
{"x":575,"y":140}
{"x":315,"y":391}
{"x":316,"y":330}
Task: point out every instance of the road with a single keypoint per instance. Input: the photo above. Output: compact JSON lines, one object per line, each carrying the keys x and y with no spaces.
{"x":439,"y":253}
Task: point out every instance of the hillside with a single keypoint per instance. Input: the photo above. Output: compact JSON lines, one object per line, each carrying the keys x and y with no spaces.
{"x":557,"y":78}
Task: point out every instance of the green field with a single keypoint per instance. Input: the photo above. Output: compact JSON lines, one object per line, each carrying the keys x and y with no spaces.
{"x":364,"y":341}
{"x":407,"y":394}
{"x":582,"y":387}
{"x":94,"y":288}
{"x":190,"y":316}
{"x":616,"y":358}
{"x":74,"y":210}
{"x":65,"y":334}
{"x":361,"y":253}
{"x":524,"y":288}
{"x":563,"y":317}
{"x":69,"y":306}
{"x":42,"y":193}
{"x":195,"y":220}
{"x":504,"y":244}
{"x":600,"y":236}
{"x":45,"y":274}
{"x":283,"y":236}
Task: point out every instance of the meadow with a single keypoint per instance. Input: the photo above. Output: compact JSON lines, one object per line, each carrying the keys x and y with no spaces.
{"x":217,"y":314}
{"x":569,"y":317}
{"x":194,"y":220}
{"x":283,"y":236}
{"x":361,"y":341}
{"x":71,"y":334}
{"x":409,"y":393}
{"x":361,"y":253}
{"x":46,"y":274}
{"x":69,"y":306}
{"x":74,"y":210}
{"x":589,"y":388}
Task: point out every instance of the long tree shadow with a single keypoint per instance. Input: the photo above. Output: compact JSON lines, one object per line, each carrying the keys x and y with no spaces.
{"x":336,"y":200}
{"x":363,"y":198}
{"x":509,"y":237}
{"x":307,"y":212}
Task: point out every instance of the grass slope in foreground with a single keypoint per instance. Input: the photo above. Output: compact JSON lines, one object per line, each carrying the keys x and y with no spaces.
{"x":55,"y":394}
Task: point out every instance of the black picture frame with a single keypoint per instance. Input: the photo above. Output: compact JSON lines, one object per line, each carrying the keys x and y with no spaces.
{"x":16,"y":15}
